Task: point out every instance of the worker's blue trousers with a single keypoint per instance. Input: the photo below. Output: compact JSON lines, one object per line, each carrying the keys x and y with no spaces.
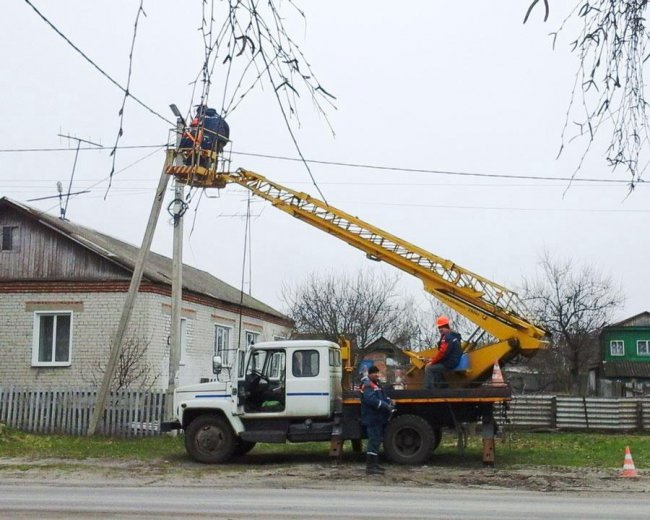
{"x":375,"y":437}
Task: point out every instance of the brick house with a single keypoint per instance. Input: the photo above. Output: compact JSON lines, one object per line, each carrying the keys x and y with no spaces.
{"x":625,"y":348}
{"x":62,"y":288}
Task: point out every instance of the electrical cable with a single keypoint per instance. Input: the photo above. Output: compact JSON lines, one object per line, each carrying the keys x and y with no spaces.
{"x":102,"y":72}
{"x":120,"y":131}
{"x":360,"y":166}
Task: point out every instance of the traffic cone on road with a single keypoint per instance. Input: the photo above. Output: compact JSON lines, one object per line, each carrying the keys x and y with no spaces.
{"x":497,"y":376}
{"x":628,"y":465}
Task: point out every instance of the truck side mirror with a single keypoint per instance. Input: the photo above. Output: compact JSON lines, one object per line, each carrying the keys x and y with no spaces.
{"x":217,"y":364}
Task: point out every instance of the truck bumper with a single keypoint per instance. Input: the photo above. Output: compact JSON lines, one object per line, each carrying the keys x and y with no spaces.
{"x":169,"y":426}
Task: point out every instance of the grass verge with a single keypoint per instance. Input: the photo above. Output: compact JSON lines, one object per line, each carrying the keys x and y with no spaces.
{"x":587,"y":450}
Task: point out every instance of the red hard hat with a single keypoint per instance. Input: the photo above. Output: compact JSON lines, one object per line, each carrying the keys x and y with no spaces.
{"x":442,"y":321}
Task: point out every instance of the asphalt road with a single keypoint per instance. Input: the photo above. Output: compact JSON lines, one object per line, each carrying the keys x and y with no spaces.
{"x":54,"y":501}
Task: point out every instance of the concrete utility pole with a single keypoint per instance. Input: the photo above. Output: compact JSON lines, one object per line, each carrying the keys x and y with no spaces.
{"x":177,"y":288}
{"x":116,"y":345}
{"x":177,"y":300}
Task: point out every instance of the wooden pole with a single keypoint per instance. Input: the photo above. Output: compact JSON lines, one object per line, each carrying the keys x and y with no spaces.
{"x":116,"y":345}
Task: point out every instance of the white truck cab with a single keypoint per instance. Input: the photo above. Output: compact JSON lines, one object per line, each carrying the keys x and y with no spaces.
{"x":275,"y":392}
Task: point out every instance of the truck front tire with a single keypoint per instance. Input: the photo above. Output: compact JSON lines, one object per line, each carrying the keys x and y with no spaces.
{"x":408,"y":440}
{"x":209,"y":439}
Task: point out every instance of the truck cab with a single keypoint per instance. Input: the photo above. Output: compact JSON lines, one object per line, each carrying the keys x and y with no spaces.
{"x":290,"y":379}
{"x":277,"y":392}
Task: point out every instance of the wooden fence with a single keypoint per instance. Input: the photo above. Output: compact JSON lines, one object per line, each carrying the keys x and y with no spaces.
{"x":138,"y":413}
{"x":128,"y":413}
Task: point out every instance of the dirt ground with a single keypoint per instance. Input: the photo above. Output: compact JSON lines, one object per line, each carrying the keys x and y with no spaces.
{"x":307,"y":471}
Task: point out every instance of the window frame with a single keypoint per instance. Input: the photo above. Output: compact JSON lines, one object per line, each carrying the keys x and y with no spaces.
{"x":617,"y":342}
{"x":182,"y":359}
{"x":226,"y":352}
{"x":36,"y":339}
{"x":303,"y":352}
{"x":13,"y":235}
{"x":256,"y":335}
{"x":647,"y":347}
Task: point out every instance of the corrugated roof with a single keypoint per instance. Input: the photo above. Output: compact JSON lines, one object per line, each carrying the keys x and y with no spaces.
{"x":158,"y":268}
{"x":638,"y":320}
{"x":626,"y":369}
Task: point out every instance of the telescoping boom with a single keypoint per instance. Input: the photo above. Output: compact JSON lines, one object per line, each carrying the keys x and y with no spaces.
{"x":493,"y":308}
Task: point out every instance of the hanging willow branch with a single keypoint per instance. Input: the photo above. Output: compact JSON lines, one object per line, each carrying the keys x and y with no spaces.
{"x":609,"y":92}
{"x":256,"y":51}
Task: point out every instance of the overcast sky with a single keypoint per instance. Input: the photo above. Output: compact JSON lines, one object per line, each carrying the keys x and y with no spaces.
{"x":447,"y":86}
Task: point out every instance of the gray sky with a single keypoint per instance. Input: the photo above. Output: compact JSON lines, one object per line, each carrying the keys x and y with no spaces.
{"x":452,"y":86}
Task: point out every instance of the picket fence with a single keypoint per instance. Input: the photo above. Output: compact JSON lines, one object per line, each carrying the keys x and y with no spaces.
{"x":138,"y":413}
{"x":128,"y":413}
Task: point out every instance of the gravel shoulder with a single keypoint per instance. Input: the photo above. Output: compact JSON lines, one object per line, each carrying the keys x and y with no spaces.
{"x":263,"y":471}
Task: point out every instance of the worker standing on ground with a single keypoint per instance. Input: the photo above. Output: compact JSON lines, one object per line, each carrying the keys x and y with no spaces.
{"x":447,"y":357}
{"x":376,"y":410}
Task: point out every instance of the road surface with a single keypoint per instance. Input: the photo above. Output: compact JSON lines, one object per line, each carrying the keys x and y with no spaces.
{"x":355,"y":501}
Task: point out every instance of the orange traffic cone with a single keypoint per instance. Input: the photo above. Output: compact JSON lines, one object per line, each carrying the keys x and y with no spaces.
{"x":628,"y":465}
{"x":497,"y":376}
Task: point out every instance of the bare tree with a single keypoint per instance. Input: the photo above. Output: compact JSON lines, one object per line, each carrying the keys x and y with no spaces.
{"x":609,"y":90}
{"x":133,"y":370}
{"x":573,"y":304}
{"x":365,"y":305}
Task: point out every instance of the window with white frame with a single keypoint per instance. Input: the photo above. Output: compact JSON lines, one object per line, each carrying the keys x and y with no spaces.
{"x":183,"y":358}
{"x":52,"y":343}
{"x":617,"y":347}
{"x":222,"y":344}
{"x":643,"y":347}
{"x":252,"y":337}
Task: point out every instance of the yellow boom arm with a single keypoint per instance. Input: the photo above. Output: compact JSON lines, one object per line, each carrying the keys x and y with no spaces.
{"x":493,"y":308}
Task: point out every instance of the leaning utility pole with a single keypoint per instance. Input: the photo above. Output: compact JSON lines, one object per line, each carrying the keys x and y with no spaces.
{"x":116,"y":345}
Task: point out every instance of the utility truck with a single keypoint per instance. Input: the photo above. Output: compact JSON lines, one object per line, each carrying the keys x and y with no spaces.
{"x":299,"y":391}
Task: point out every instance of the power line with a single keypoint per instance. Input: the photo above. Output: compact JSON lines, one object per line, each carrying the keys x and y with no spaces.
{"x":82,"y":149}
{"x":363,"y":166}
{"x":102,"y":72}
{"x":440,"y":172}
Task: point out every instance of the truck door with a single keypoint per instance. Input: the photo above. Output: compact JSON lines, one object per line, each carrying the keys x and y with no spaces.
{"x":308,"y":387}
{"x":262,"y":388}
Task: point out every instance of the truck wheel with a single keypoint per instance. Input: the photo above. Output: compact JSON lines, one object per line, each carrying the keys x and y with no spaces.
{"x":209,"y":439}
{"x":244,"y":447}
{"x":408,"y":439}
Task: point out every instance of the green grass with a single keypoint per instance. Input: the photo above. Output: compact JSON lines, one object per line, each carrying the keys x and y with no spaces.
{"x":19,"y":444}
{"x":590,"y":450}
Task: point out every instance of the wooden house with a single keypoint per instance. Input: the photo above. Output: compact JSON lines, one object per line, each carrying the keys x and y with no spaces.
{"x":62,"y":289}
{"x":625,"y":349}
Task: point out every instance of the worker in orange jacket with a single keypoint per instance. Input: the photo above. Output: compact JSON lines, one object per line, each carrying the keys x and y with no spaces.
{"x":447,"y":357}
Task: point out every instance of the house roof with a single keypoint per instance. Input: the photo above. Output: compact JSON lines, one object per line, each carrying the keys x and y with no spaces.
{"x":626,"y":369}
{"x":638,"y":320}
{"x":158,"y":268}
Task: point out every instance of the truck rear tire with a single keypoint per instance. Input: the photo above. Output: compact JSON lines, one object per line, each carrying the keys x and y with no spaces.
{"x":408,"y":440}
{"x":209,"y":439}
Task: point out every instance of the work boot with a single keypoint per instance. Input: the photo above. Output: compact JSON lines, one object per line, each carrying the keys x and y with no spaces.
{"x":372,"y":466}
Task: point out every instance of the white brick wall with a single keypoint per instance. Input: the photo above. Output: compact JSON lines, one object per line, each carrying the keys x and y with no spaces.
{"x":93,"y":327}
